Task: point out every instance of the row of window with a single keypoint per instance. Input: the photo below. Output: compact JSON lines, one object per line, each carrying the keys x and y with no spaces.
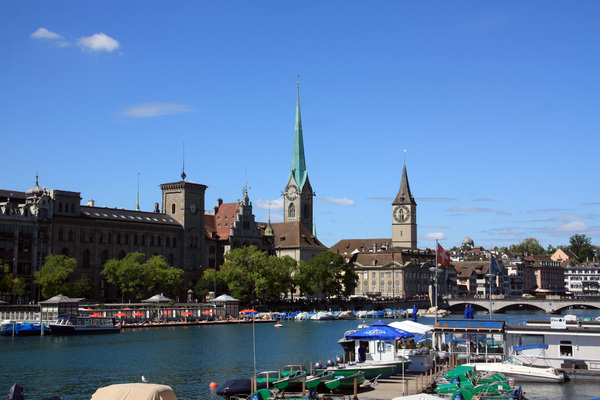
{"x":119,"y":239}
{"x":65,"y":208}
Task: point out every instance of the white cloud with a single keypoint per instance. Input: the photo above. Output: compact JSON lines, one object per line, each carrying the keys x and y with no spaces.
{"x":343,"y":201}
{"x":468,"y":209}
{"x":147,"y":110}
{"x":502,"y":212}
{"x":274,"y":205}
{"x":434,"y":236}
{"x":43,"y":33}
{"x":98,"y":42}
{"x":573,"y":227}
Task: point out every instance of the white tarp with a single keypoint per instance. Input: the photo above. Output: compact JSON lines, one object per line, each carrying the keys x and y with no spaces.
{"x":412,"y":327}
{"x":135,"y":391}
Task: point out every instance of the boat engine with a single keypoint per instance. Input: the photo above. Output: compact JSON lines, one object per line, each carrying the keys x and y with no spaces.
{"x":330,"y":363}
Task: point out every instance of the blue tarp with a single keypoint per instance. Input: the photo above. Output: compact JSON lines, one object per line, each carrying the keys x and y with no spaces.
{"x":530,"y":346}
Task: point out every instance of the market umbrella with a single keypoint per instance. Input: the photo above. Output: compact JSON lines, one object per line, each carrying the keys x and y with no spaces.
{"x":138,"y":314}
{"x":471,"y":311}
{"x":467,"y":311}
{"x":207,"y":312}
{"x":96,"y":315}
{"x":380,"y":331}
{"x":414,"y":313}
{"x":248,"y":310}
{"x":120,"y":314}
{"x":187,"y":313}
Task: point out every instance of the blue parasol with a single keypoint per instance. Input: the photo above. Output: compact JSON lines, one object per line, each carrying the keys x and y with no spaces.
{"x":380,"y":331}
{"x":467,"y":311}
{"x":414,"y":313}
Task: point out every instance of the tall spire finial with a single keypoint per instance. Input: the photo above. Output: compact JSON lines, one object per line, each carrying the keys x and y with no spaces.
{"x":183,"y":175}
{"x":298,"y":82}
{"x":404,"y":156}
{"x":137,"y":204}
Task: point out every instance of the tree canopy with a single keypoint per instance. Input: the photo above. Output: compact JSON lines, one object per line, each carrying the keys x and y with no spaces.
{"x":54,"y":277}
{"x":135,"y":275}
{"x":328,"y":274}
{"x":582,"y":247}
{"x":9,"y":283}
{"x":529,"y":246}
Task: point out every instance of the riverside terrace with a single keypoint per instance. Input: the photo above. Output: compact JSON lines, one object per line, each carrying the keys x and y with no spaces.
{"x":549,"y":304}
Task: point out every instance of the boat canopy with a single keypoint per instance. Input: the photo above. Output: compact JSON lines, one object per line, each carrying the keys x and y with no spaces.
{"x":530,"y":347}
{"x":412,"y":327}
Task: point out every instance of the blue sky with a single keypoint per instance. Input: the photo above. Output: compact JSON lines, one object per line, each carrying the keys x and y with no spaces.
{"x":495,"y":104}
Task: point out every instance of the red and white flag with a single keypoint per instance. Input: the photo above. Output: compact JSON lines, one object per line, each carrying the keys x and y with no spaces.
{"x":443,"y":256}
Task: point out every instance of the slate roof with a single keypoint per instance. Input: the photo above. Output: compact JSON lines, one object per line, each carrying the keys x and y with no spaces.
{"x":397,"y":255}
{"x":14,"y":195}
{"x":465,"y":269}
{"x":295,"y":235}
{"x":122,"y":215}
{"x":345,"y":247}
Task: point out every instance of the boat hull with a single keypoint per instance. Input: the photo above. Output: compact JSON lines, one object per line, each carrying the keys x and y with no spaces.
{"x":345,"y":383}
{"x":71,"y":330}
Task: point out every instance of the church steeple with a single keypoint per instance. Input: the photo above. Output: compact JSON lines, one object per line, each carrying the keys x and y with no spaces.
{"x":404,"y":216}
{"x":298,"y":193}
{"x":404,"y":195}
{"x":298,"y":168}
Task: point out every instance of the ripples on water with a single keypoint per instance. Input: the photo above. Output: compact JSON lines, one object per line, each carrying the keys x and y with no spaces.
{"x":189,"y":358}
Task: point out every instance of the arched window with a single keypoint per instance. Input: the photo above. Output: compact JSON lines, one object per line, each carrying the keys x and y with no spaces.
{"x":159,"y":241}
{"x":127,"y":238}
{"x":173,"y":208}
{"x":60,"y":207}
{"x":60,"y":234}
{"x":72,"y":209}
{"x":170,"y":259}
{"x":118,"y":238}
{"x":174,"y":242}
{"x":151,"y":240}
{"x":103,"y":257}
{"x":168,"y":242}
{"x":85,"y":258}
{"x":192,"y":261}
{"x":109,"y":238}
{"x":143,"y":240}
{"x":71,"y":236}
{"x":291,"y":211}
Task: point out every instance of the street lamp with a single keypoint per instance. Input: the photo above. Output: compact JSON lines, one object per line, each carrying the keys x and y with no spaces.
{"x":435,"y":271}
{"x":490,"y":276}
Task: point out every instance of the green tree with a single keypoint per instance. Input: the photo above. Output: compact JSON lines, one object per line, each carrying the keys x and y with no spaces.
{"x":82,"y":287}
{"x":9,"y":283}
{"x":243,"y":271}
{"x":327,"y":273}
{"x":163,"y":277}
{"x":206,"y":283}
{"x":128,"y":274}
{"x":531,"y":246}
{"x":284,"y":270}
{"x":54,"y":275}
{"x":583,"y":248}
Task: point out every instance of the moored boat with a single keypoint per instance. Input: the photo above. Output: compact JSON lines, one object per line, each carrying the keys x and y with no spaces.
{"x":24,"y":329}
{"x":516,"y":367}
{"x":319,"y":380}
{"x":344,"y":383}
{"x":84,"y":326}
{"x":292,"y":382}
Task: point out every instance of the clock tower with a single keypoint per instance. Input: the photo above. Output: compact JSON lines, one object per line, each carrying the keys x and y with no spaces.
{"x":184,"y":202}
{"x":298,"y":194}
{"x":404,"y":216}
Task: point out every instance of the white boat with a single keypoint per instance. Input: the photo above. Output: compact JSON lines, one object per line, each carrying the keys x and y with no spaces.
{"x":520,"y":369}
{"x":301,"y":316}
{"x":570,"y":345}
{"x":322,"y":316}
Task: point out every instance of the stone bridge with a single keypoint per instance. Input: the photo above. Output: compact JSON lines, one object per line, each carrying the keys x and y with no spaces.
{"x":500,"y":305}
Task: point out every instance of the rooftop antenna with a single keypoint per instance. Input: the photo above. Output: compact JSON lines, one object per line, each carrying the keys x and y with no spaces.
{"x":137,"y":204}
{"x":183,"y":167}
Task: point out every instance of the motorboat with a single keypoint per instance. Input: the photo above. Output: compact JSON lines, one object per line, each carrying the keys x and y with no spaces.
{"x":291,"y":382}
{"x":24,"y":329}
{"x":517,"y":367}
{"x":322,"y":316}
{"x":84,"y":326}
{"x":566,"y":343}
{"x":346,"y":315}
{"x":344,"y":383}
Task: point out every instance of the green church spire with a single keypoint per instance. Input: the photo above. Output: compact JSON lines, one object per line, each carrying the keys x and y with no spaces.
{"x":298,"y":168}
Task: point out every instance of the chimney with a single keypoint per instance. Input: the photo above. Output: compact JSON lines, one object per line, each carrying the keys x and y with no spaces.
{"x":91,"y":203}
{"x":156,"y":210}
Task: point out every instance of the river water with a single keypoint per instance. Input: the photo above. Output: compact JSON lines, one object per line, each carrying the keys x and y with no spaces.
{"x":189,"y":358}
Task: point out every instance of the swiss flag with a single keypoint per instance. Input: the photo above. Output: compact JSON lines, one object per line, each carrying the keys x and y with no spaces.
{"x":443,"y":256}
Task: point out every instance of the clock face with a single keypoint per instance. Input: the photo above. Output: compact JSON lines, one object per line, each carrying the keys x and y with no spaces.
{"x":291,"y":192}
{"x":307,"y":195}
{"x":401,"y":214}
{"x":193,"y":208}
